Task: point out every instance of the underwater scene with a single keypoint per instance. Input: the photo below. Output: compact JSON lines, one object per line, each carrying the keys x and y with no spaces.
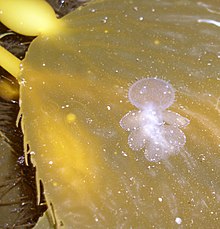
{"x":120,"y":111}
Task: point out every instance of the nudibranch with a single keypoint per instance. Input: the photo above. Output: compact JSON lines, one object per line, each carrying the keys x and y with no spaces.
{"x":152,"y":127}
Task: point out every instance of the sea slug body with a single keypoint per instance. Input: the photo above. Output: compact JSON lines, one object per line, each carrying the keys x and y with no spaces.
{"x":152,"y":127}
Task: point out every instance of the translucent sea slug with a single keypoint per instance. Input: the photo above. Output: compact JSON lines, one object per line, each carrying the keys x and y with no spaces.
{"x":153,"y":127}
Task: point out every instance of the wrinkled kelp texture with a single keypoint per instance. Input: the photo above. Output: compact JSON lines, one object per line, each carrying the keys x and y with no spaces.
{"x":18,"y":201}
{"x":74,"y":88}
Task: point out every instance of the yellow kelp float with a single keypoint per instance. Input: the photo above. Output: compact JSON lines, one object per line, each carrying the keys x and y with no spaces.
{"x":74,"y":83}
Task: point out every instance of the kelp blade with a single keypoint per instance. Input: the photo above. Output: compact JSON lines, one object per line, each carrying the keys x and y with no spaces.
{"x":73,"y":95}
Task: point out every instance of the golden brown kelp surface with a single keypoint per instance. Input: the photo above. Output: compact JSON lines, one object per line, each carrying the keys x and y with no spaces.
{"x":73,"y":92}
{"x":18,"y":203}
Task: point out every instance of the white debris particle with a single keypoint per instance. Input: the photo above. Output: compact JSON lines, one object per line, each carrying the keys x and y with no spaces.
{"x":160,"y":199}
{"x":131,"y":178}
{"x":92,"y":10}
{"x":141,"y":18}
{"x":178,"y":220}
{"x":89,"y":120}
{"x":50,"y":162}
{"x":65,"y":106}
{"x":124,"y":154}
{"x":109,"y":108}
{"x":21,"y":67}
{"x":23,"y":82}
{"x":96,"y":219}
{"x":21,"y":160}
{"x":104,"y":20}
